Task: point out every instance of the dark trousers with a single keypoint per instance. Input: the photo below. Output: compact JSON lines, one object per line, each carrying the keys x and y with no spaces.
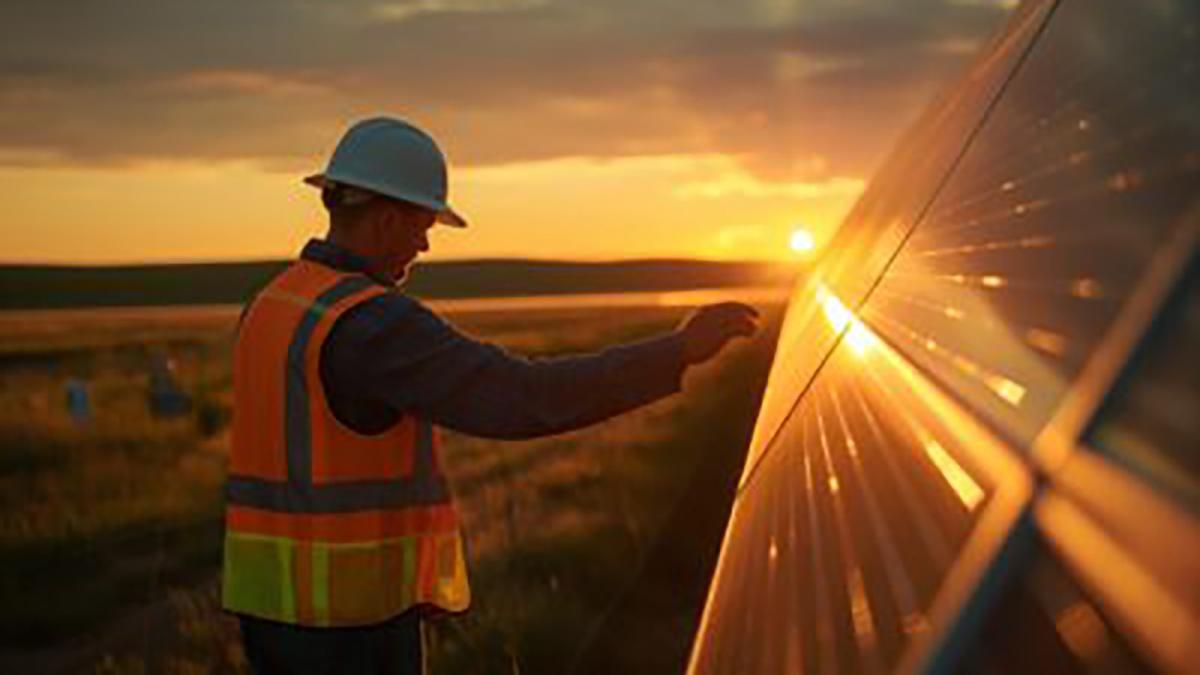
{"x":395,"y":647}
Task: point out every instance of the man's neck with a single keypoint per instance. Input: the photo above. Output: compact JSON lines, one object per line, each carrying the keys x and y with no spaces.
{"x":348,"y":243}
{"x":361,"y":256}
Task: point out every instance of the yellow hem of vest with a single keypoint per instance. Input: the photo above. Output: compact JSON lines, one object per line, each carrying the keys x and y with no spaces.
{"x":373,"y":543}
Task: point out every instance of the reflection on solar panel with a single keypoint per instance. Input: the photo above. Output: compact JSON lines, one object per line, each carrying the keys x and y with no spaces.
{"x":893,"y":201}
{"x":980,"y":428}
{"x":1027,"y":254}
{"x":851,"y":526}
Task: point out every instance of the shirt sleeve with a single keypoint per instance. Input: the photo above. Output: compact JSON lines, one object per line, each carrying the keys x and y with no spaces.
{"x":402,"y":354}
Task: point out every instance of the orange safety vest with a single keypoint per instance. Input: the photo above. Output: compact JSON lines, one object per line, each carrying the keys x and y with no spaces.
{"x":326,"y":526}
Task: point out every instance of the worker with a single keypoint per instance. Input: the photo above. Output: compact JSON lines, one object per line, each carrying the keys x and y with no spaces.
{"x":342,"y":536}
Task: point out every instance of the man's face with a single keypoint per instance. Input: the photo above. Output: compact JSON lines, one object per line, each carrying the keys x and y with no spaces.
{"x":403,"y":234}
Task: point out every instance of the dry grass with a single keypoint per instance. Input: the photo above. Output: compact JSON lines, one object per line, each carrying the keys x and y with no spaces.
{"x":96,"y":520}
{"x":102,"y":524}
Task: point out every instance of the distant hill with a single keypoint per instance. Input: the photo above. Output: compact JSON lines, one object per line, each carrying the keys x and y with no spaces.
{"x":55,"y":286}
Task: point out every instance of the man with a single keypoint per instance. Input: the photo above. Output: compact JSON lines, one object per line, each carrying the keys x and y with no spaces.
{"x":341,"y":533}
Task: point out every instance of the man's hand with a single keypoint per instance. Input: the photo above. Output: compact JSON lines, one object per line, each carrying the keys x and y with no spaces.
{"x":707,"y":330}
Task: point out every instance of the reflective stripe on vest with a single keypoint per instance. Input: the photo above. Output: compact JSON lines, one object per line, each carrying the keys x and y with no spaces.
{"x":325,"y":526}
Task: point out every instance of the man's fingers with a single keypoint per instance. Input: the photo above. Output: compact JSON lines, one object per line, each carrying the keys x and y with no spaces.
{"x":749,"y":309}
{"x":745,"y":328}
{"x":742,"y":325}
{"x":710,"y":327}
{"x":726,"y":313}
{"x":735,"y":309}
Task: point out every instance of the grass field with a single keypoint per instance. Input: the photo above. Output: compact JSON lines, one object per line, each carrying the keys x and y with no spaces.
{"x":110,"y":531}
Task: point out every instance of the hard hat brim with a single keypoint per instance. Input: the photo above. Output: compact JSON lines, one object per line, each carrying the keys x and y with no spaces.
{"x":450,"y":217}
{"x":445,"y":215}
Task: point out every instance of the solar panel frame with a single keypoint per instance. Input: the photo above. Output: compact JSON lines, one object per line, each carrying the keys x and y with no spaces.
{"x":1094,"y":512}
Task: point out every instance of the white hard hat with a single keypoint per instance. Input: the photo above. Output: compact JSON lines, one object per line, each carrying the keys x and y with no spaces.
{"x":393,"y":158}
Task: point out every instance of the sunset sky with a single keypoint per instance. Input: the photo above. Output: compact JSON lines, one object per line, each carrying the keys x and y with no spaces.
{"x":152,"y":130}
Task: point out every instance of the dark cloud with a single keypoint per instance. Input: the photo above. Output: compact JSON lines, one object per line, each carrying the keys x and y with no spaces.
{"x":273,"y":81}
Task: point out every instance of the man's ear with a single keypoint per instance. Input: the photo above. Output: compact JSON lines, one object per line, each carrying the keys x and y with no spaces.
{"x":383,"y":222}
{"x":404,"y":216}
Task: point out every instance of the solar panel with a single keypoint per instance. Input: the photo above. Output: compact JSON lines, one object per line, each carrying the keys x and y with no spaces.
{"x":874,"y":229}
{"x":839,"y":550}
{"x":1022,"y":233}
{"x":1057,"y":209}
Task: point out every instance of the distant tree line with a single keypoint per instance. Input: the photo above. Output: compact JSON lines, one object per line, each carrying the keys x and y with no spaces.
{"x":53,"y":286}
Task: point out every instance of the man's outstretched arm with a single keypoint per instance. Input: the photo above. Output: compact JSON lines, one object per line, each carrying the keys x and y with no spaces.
{"x":396,"y":351}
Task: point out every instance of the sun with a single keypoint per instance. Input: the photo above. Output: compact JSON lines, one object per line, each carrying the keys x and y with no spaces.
{"x":802,"y":241}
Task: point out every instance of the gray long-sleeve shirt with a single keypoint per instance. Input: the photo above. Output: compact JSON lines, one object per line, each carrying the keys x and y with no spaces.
{"x":392,"y":354}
